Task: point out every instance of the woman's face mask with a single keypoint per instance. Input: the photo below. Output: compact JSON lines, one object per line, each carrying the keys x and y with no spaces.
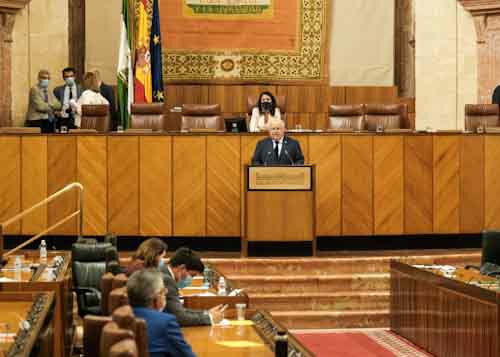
{"x":266,"y":106}
{"x":184,"y":283}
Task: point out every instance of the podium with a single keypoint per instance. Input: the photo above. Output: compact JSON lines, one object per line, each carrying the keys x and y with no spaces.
{"x":279,"y":204}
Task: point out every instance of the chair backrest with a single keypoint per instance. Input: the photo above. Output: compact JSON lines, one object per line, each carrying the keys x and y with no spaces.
{"x":346,"y":117}
{"x":111,"y":334}
{"x":117,"y":297}
{"x":481,"y":114}
{"x":106,"y":288}
{"x":202,"y":116}
{"x":92,"y":328}
{"x":491,"y":247}
{"x":390,"y":116}
{"x":147,"y":116}
{"x":95,"y":117}
{"x":280,"y":103}
{"x":89,"y":263}
{"x":124,"y":317}
{"x":124,"y":348}
{"x":119,"y":281}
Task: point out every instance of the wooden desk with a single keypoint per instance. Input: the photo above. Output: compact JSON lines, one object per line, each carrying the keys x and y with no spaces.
{"x":192,"y":184}
{"x":46,"y":278}
{"x":444,"y":316}
{"x":33,"y":308}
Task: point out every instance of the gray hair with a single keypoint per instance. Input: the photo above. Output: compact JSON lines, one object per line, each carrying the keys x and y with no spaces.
{"x":142,"y":287}
{"x":276,"y":122}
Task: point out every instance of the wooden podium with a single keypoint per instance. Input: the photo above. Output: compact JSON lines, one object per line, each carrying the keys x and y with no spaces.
{"x":279,"y":204}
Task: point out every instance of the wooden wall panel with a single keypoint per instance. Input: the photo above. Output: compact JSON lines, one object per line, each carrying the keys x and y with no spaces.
{"x":62,"y":170}
{"x":446,"y":184}
{"x":472,"y":184}
{"x":302,"y":99}
{"x":369,"y":95}
{"x":304,"y":145}
{"x":155,"y":191}
{"x":123,"y":185}
{"x":93,"y":175}
{"x":325,"y":153}
{"x":331,"y":95}
{"x":248,"y":144}
{"x":190,"y":178}
{"x":418,"y":185}
{"x":176,"y":95}
{"x":319,"y":121}
{"x":34,"y":182}
{"x":231,"y":98}
{"x":492,"y":183}
{"x":10,"y":177}
{"x":388,"y":183}
{"x":223,"y":186}
{"x":357,"y":185}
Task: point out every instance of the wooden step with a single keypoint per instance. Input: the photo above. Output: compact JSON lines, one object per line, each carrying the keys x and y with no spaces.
{"x":321,"y":301}
{"x":333,"y":319}
{"x":309,"y":284}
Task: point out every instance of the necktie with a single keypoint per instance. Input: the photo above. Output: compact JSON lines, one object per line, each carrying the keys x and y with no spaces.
{"x":276,"y":149}
{"x":45,"y":95}
{"x":70,"y":93}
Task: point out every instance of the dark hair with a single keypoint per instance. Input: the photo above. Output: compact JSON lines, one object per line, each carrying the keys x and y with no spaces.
{"x":68,"y":69}
{"x":196,"y":264}
{"x":149,"y":250}
{"x":181,"y":256}
{"x":273,"y":102}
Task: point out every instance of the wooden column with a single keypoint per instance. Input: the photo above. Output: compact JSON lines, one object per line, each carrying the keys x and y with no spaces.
{"x":8,"y":10}
{"x":487,"y":20}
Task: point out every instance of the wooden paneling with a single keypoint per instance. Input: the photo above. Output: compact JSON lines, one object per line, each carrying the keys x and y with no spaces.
{"x":304,"y":145}
{"x":189,"y":172}
{"x":325,"y":153}
{"x":418,"y":184}
{"x":10,"y":176}
{"x":176,"y":95}
{"x":61,"y":171}
{"x":472,"y":184}
{"x":446,"y":184}
{"x":357,"y":185}
{"x":223,"y":186}
{"x":93,"y":175}
{"x":123,"y":185}
{"x":248,"y":144}
{"x":34,"y":182}
{"x":492,"y":183}
{"x":155,"y":186}
{"x":231,"y":98}
{"x":388,"y":173}
{"x":302,"y":99}
{"x":369,"y":95}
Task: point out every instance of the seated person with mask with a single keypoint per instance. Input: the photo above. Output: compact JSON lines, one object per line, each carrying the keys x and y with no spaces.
{"x":146,"y":295}
{"x":177,"y":274}
{"x":150,"y":254}
{"x":277,"y":149}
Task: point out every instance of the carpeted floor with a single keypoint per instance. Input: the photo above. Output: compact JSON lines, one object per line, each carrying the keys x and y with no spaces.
{"x":358,"y":343}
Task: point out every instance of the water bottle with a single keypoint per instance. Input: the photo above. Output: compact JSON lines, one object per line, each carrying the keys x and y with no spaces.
{"x":221,"y":288}
{"x":281,"y":344}
{"x":206,"y":278}
{"x":43,"y":252}
{"x":18,"y":266}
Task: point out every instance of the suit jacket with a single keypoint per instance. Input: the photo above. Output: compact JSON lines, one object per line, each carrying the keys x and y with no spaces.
{"x":496,"y":96}
{"x":59,"y":92}
{"x":38,"y":109}
{"x":165,"y":337}
{"x":264,"y":153}
{"x":108,"y":93}
{"x":185,"y":317}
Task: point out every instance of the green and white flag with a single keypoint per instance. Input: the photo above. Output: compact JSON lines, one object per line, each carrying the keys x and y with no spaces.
{"x":125,"y":72}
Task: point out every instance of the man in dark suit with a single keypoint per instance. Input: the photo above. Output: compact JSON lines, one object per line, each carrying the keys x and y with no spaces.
{"x":181,"y":267}
{"x":68,"y":91}
{"x":495,"y":99}
{"x":278,"y":149}
{"x":146,"y":295}
{"x":108,"y":93}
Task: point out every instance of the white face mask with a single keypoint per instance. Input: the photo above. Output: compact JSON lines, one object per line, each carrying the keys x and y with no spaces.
{"x":70,"y":81}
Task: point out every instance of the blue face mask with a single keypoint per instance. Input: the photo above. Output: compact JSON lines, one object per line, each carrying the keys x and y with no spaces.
{"x":184,"y":283}
{"x":44,"y":83}
{"x":161,"y":264}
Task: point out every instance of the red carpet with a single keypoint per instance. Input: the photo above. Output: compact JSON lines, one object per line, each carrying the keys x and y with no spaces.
{"x":379,"y":343}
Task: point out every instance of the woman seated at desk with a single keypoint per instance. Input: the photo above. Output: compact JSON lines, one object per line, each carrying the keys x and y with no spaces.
{"x":265,"y":110}
{"x":150,"y":254}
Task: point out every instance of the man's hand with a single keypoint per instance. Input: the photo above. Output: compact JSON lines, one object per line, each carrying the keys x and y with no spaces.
{"x":217,"y":313}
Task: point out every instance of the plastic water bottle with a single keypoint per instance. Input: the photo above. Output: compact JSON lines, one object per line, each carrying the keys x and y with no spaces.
{"x":206,"y":278}
{"x":43,"y":252}
{"x":221,"y":288}
{"x":18,"y":267}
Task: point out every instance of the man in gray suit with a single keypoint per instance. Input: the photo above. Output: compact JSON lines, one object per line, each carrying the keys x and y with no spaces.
{"x":70,"y":90}
{"x":177,"y":274}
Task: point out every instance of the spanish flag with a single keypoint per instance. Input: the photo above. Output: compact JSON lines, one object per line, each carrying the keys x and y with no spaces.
{"x":143,"y":88}
{"x":156,"y":60}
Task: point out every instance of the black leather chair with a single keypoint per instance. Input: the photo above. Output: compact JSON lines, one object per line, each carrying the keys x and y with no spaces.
{"x":89,"y":264}
{"x":491,"y":247}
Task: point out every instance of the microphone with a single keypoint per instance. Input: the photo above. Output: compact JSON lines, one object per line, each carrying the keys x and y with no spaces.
{"x":286,"y":152}
{"x":267,"y":157}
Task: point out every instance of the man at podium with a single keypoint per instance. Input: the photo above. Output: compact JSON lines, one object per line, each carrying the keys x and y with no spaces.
{"x":277,"y":149}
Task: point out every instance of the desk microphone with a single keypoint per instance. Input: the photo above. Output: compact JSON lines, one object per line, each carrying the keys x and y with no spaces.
{"x":267,"y":157}
{"x":287,"y":154}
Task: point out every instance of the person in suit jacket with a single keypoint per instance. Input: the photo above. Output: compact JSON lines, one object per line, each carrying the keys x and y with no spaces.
{"x":177,"y":274}
{"x":146,"y":295}
{"x":495,"y":98}
{"x":42,"y":105}
{"x":278,"y":149}
{"x":108,"y":92}
{"x":65,"y":93}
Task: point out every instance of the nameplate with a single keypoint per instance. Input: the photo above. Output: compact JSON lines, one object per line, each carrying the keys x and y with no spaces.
{"x":280,"y":178}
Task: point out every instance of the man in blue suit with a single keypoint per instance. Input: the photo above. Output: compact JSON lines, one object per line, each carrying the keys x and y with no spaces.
{"x":147,"y":296}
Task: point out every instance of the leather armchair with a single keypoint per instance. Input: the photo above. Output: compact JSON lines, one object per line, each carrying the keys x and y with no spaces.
{"x":88,"y":266}
{"x":95,"y":117}
{"x":202,"y":116}
{"x":481,"y":114}
{"x":147,"y":116}
{"x":92,"y":329}
{"x":124,"y":348}
{"x":117,"y":297}
{"x":491,"y":247}
{"x":106,"y":288}
{"x":390,"y":116}
{"x":347,"y":117}
{"x":111,"y":334}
